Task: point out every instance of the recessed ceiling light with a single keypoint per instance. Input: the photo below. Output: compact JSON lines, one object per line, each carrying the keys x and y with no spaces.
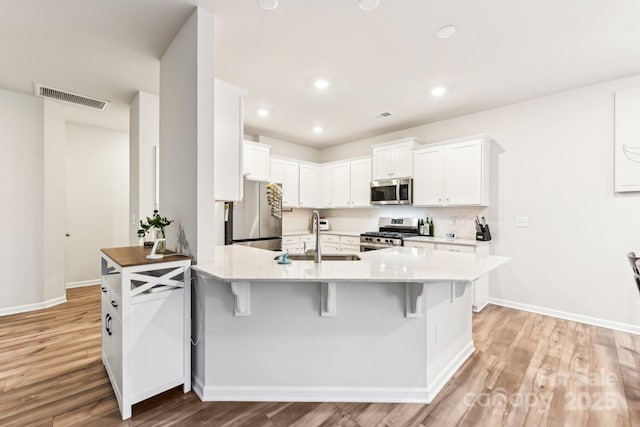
{"x":262,"y":112}
{"x":268,"y":4}
{"x":321,"y":84}
{"x":368,"y":4}
{"x":438,"y":91}
{"x":446,"y":31}
{"x":317,"y":130}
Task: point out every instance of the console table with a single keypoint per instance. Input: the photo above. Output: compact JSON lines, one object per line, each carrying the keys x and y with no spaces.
{"x":146,"y":323}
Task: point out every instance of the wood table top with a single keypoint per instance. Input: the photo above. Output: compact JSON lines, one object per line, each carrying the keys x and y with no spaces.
{"x":129,"y":256}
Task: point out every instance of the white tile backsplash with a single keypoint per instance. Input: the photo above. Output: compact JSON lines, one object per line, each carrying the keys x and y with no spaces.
{"x":297,"y":220}
{"x":458,"y":220}
{"x":446,"y":220}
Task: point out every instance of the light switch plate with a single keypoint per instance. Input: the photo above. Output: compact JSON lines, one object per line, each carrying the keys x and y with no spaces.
{"x":522,"y":221}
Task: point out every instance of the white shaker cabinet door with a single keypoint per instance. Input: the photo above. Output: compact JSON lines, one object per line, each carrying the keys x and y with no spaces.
{"x":325,"y":187}
{"x":427,"y":181}
{"x":277,"y":171}
{"x":309,"y":186}
{"x":361,"y":183}
{"x":291,"y":185}
{"x":463,"y":173}
{"x":286,"y":173}
{"x":402,"y":158}
{"x":340,"y":187}
{"x":256,"y":161}
{"x":383,"y":163}
{"x":227,"y":142}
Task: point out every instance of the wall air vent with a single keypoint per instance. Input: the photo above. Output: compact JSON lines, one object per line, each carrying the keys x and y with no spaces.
{"x":66,"y":96}
{"x":382,"y":115}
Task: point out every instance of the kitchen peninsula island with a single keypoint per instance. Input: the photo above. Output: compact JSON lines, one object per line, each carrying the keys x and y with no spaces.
{"x":391,"y":327}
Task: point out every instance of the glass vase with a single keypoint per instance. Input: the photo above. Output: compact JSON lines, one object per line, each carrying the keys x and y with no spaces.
{"x":162,"y":244}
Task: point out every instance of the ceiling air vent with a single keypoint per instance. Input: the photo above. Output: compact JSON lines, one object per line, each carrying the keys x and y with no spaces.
{"x":66,"y":96}
{"x":382,"y":115}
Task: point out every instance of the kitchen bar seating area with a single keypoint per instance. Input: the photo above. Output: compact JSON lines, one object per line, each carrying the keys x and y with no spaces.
{"x":270,"y":213}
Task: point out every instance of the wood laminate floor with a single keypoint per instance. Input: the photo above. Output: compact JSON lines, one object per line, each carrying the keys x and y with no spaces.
{"x":527,"y":369}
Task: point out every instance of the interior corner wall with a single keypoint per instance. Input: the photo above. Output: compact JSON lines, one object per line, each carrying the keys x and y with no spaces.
{"x":54,"y":201}
{"x":22,"y":194}
{"x":186,"y":138}
{"x":552,"y":162}
{"x":144,"y":133}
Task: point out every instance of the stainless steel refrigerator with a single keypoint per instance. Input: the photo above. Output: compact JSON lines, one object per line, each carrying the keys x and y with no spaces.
{"x":255,"y":221}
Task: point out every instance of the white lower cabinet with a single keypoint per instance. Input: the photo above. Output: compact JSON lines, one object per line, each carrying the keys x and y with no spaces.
{"x":299,"y":243}
{"x":330,"y":243}
{"x":336,"y":243}
{"x":291,"y":244}
{"x":349,"y":244}
{"x":146,"y":327}
{"x":480,"y":286}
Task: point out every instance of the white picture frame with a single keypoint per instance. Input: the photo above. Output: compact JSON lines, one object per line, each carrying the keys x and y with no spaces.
{"x":627,"y":140}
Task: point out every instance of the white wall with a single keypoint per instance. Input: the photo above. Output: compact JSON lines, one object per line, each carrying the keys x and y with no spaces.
{"x":290,"y":149}
{"x":32,"y":194}
{"x":552,"y":162}
{"x":144,"y":133}
{"x":54,"y":200}
{"x":186,"y":138}
{"x":22,"y":194}
{"x":97,"y":205}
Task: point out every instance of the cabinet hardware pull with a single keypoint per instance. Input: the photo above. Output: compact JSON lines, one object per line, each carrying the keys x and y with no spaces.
{"x":104,"y":289}
{"x":114,"y":304}
{"x":107,"y":321}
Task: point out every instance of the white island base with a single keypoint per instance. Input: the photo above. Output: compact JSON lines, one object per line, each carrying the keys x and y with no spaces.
{"x":392,"y":327}
{"x":372,"y":348}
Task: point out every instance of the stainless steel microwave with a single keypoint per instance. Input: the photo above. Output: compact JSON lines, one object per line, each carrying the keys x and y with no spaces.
{"x":392,"y":192}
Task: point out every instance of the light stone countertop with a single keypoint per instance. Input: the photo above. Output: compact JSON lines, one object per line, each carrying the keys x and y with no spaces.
{"x":235,"y":263}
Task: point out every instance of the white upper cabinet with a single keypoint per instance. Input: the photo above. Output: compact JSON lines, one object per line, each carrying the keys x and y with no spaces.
{"x":325,"y":187}
{"x":256,"y":163}
{"x":227,"y":142}
{"x":360,"y":183}
{"x":394,"y":159}
{"x":382,"y":163}
{"x":452,"y":174}
{"x":346,"y":184}
{"x":340,"y":188}
{"x":309,"y":186}
{"x":287,"y":173}
{"x":462,"y":181}
{"x":427,"y":177}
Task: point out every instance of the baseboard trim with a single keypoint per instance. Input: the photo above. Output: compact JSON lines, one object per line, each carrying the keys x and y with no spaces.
{"x":603,"y":323}
{"x":435,"y":386}
{"x":198,"y":387}
{"x":311,"y":394}
{"x":32,"y":307}
{"x":83,"y":283}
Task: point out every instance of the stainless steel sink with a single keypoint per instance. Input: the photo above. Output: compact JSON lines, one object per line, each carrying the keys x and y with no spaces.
{"x":325,"y":257}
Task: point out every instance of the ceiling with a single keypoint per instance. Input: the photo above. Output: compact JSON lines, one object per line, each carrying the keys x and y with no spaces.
{"x":387,"y":59}
{"x":108,"y":49}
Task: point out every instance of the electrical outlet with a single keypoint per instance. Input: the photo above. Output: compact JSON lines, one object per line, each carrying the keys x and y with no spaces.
{"x":522,"y":221}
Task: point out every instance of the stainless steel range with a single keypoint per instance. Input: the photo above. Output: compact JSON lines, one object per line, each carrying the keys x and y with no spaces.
{"x":391,"y":233}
